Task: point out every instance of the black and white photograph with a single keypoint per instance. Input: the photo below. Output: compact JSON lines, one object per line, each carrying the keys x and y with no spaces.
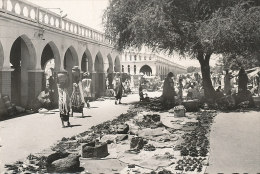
{"x":130,"y":86}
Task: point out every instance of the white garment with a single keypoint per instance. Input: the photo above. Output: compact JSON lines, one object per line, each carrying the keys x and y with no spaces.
{"x":86,"y":87}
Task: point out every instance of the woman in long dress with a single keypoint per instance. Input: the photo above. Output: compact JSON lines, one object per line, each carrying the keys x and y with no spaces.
{"x":168,"y":94}
{"x":64,"y":100}
{"x":86,"y":87}
{"x":242,"y":80}
{"x":227,"y":84}
{"x":118,"y":90}
{"x":77,"y":101}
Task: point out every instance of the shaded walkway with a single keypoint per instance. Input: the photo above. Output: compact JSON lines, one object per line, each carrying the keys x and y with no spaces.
{"x":235,"y":143}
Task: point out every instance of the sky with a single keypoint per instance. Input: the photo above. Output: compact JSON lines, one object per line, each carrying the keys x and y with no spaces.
{"x":89,"y":13}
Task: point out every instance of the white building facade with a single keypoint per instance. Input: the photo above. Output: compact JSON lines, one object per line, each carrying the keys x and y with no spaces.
{"x":149,"y":63}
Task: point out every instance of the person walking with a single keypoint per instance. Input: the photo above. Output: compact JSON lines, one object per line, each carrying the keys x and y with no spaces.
{"x":118,"y":90}
{"x":77,"y":101}
{"x":227,"y":83}
{"x":64,"y":99}
{"x":180,"y":88}
{"x":86,"y":87}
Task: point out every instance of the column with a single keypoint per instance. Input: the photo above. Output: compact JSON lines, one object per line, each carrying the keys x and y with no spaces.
{"x":5,"y":81}
{"x":34,"y":85}
{"x":93,"y":85}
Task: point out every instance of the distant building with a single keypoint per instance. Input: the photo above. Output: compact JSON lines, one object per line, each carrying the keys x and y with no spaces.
{"x":146,"y":62}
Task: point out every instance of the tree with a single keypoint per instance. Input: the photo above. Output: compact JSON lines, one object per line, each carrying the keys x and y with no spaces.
{"x":199,"y":28}
{"x":234,"y":62}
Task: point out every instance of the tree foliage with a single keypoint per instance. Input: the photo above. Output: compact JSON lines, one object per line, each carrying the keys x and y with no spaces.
{"x":235,"y":62}
{"x":192,"y":69}
{"x":199,"y":28}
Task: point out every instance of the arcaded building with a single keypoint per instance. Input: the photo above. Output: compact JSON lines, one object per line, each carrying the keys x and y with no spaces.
{"x":147,"y":62}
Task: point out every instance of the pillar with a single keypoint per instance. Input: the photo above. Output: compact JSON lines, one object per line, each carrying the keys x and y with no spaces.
{"x":5,"y":81}
{"x":98,"y":82}
{"x":93,"y":85}
{"x":34,"y":85}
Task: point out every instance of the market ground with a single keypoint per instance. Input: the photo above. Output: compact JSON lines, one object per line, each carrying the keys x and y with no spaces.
{"x":234,"y":138}
{"x":33,"y":133}
{"x":235,"y":143}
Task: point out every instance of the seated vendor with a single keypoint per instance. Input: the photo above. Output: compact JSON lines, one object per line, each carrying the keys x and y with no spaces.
{"x":141,"y":95}
{"x":219,"y":93}
{"x":45,"y":99}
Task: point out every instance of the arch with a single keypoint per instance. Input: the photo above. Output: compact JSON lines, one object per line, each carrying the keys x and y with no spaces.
{"x":70,"y":60}
{"x":1,"y":56}
{"x":117,"y":64}
{"x":110,"y":64}
{"x":50,"y":58}
{"x":86,"y":61}
{"x":99,"y":78}
{"x":51,"y":51}
{"x":22,"y":59}
{"x":32,"y":52}
{"x":146,"y":69}
{"x":99,"y":63}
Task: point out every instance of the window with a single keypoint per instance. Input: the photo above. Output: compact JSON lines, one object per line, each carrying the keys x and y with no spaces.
{"x":123,"y":69}
{"x":135,"y":69}
{"x":135,"y":57}
{"x":125,"y":57}
{"x":129,"y":69}
{"x":144,"y":57}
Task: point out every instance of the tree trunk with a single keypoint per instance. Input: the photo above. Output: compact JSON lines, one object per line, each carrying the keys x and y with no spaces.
{"x":209,"y":91}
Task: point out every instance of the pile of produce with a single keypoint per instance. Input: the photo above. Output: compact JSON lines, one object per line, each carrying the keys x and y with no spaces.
{"x":190,"y":164}
{"x":196,"y":144}
{"x":154,"y":105}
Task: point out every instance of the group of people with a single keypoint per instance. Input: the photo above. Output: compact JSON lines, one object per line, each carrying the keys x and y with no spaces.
{"x":175,"y":90}
{"x":190,"y":86}
{"x":73,"y":94}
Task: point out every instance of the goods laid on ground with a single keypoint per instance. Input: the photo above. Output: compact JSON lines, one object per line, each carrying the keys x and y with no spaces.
{"x":94,"y":150}
{"x":146,"y":145}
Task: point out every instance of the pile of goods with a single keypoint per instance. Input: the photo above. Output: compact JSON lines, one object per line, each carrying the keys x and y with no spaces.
{"x":190,"y":164}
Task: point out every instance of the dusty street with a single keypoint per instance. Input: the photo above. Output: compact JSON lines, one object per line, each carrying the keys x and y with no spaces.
{"x":33,"y":133}
{"x":235,"y":143}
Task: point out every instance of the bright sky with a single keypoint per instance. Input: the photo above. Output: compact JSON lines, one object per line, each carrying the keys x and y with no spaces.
{"x":89,"y":13}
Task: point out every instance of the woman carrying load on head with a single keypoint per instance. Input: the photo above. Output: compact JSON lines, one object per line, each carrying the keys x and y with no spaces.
{"x":77,"y":101}
{"x":64,"y":99}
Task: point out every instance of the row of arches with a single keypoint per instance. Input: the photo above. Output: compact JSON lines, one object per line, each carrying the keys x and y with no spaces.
{"x":145,"y":69}
{"x":23,"y":60}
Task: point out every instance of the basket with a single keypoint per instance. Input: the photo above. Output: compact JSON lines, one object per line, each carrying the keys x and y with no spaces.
{"x":76,"y":73}
{"x":62,"y":78}
{"x":179,"y":111}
